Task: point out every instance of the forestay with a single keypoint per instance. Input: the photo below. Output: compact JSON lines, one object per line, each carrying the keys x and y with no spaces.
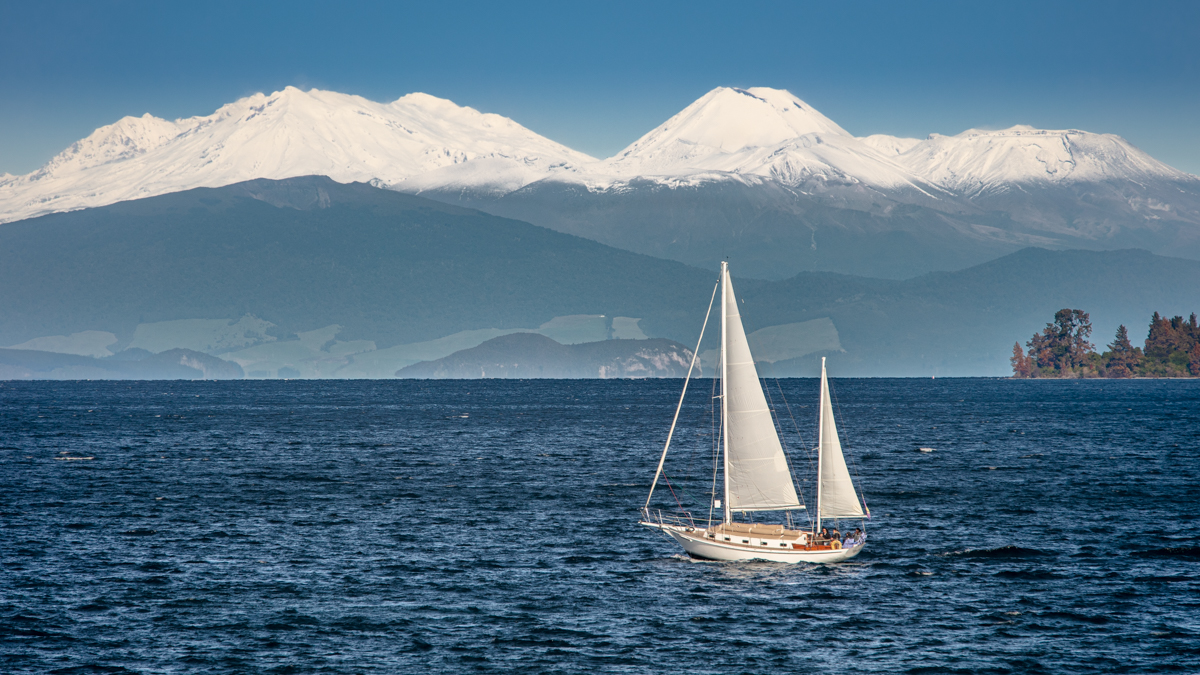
{"x":757,"y":474}
{"x":836,"y":497}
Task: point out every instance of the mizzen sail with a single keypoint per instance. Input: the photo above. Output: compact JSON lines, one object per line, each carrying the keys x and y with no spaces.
{"x":757,"y":476}
{"x":836,"y":497}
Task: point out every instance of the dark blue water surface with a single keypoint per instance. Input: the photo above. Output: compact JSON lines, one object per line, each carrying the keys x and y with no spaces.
{"x":405,"y":526}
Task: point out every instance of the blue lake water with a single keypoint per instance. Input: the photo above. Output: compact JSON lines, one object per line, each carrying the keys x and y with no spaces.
{"x":490,"y":526}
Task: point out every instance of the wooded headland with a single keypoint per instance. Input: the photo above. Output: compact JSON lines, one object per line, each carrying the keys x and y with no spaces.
{"x":1172,"y":349}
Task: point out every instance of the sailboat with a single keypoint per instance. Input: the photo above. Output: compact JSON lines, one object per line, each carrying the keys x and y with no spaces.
{"x":755,"y":471}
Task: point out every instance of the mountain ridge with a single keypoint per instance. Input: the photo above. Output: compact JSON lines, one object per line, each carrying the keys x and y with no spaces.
{"x":754,"y":172}
{"x":285,"y":134}
{"x":307,"y":277}
{"x":421,"y":142}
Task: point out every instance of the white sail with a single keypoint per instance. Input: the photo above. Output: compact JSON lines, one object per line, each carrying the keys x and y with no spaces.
{"x":757,"y":477}
{"x":836,"y":497}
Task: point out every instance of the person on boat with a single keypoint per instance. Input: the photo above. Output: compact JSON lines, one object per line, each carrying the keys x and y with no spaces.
{"x":849,"y":540}
{"x":824,"y":534}
{"x":858,"y":535}
{"x":836,"y":536}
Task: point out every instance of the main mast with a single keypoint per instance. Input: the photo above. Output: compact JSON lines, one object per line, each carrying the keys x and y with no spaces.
{"x":820,"y":442}
{"x":724,"y":391}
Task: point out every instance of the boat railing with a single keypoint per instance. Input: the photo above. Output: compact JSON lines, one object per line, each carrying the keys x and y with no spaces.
{"x":675,"y":518}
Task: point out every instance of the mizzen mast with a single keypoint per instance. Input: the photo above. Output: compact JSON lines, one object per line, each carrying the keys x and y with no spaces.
{"x":725,"y":390}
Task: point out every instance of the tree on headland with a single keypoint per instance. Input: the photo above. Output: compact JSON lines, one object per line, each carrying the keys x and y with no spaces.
{"x":1170,"y":346}
{"x":1122,"y":358}
{"x":1020,"y":363}
{"x":1062,"y":348}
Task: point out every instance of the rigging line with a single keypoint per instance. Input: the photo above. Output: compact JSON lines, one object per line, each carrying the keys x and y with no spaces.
{"x":668,"y":482}
{"x":694,"y":466}
{"x":788,"y":406}
{"x":789,"y":411}
{"x":682,"y":394}
{"x":779,"y":429}
{"x":807,"y":450}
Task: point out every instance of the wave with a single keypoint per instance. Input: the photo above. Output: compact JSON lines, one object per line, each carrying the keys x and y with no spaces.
{"x":1185,"y":552}
{"x":1073,"y":616}
{"x":1164,"y":579}
{"x":1027,"y":574}
{"x":91,"y":668}
{"x":1003,"y":552}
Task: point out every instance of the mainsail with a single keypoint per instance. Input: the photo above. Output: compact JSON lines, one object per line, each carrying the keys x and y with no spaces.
{"x":835,"y":491}
{"x":757,"y":477}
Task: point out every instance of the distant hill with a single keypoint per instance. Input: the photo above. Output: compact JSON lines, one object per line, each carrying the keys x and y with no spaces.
{"x":529,"y":355}
{"x":174,"y":364}
{"x":307,"y":253}
{"x":306,"y":277}
{"x":965,"y":322}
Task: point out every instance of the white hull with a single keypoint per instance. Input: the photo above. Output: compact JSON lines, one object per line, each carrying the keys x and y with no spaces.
{"x":698,"y":546}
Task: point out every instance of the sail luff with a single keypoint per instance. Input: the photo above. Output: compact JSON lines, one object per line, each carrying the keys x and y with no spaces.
{"x":836,"y":494}
{"x":757,"y":475}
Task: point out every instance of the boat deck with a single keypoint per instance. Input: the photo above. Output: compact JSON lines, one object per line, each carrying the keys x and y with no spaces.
{"x":761,"y":535}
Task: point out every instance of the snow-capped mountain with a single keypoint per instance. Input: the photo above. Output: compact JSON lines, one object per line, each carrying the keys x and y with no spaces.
{"x":284,"y":134}
{"x":761,"y":132}
{"x":976,"y":162}
{"x":756,"y":173}
{"x":1084,"y":188}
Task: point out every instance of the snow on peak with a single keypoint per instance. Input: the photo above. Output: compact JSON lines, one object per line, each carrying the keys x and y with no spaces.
{"x":280,"y":135}
{"x":125,"y":139}
{"x":762,"y":132}
{"x":421,"y":142}
{"x":979,"y":160}
{"x":727,"y":120}
{"x":890,"y":146}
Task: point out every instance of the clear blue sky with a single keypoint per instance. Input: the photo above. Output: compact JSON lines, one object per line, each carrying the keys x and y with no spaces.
{"x":596,"y":76}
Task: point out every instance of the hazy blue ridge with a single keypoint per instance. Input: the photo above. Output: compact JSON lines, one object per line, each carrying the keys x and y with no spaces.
{"x":781,"y":231}
{"x":968,"y":320}
{"x":309,"y":252}
{"x":529,"y":355}
{"x":349,"y":271}
{"x":766,"y":226}
{"x":174,"y":364}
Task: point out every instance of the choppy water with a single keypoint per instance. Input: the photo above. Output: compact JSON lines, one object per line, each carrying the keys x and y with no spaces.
{"x":382,"y":527}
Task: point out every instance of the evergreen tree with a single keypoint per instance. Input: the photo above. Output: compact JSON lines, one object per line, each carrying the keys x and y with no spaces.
{"x":1122,"y":356}
{"x":1170,"y":344}
{"x":1161,"y":340}
{"x":1022,"y":368}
